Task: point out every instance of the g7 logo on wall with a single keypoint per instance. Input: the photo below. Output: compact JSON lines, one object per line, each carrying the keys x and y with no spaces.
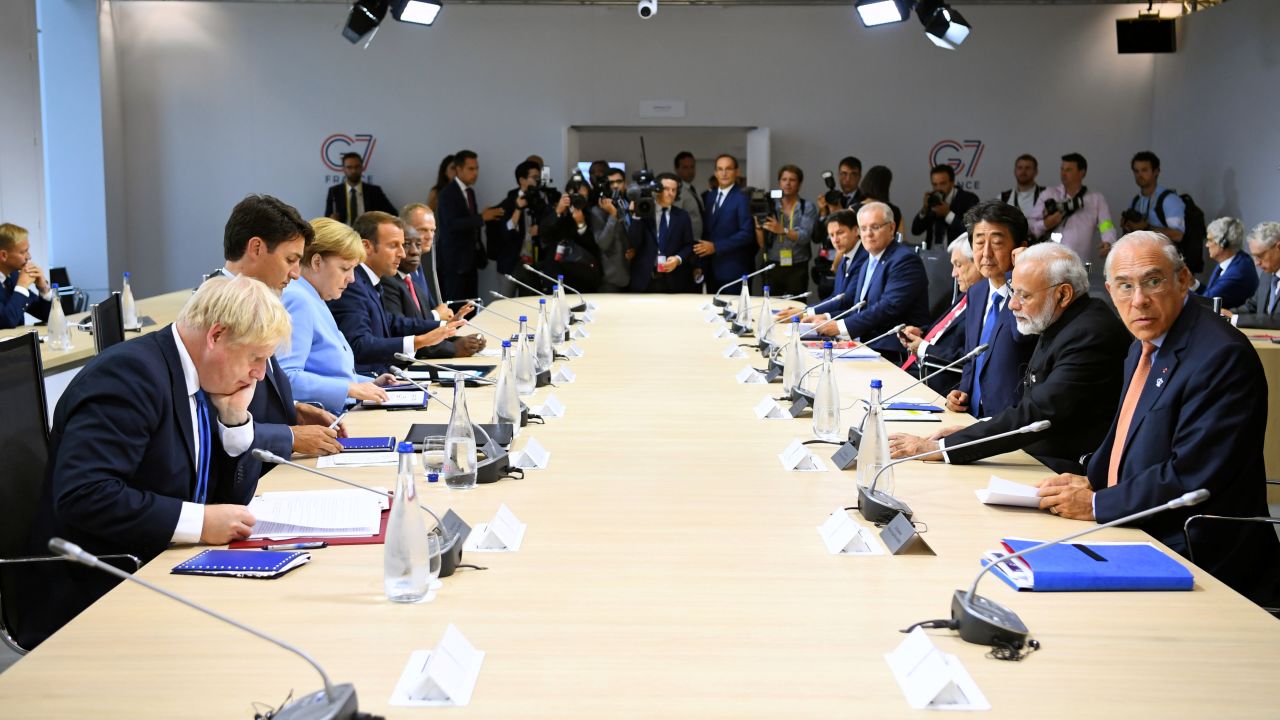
{"x":963,"y":157}
{"x":337,"y":144}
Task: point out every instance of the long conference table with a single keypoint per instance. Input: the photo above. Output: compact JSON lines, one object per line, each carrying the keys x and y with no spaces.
{"x":671,"y":568}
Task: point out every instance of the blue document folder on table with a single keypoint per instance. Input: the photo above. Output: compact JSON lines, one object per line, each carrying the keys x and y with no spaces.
{"x":1095,"y":566}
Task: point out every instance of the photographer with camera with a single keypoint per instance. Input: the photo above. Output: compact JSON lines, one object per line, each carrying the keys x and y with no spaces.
{"x":513,"y":239}
{"x":1071,"y":213}
{"x":785,"y":235}
{"x":836,"y":198}
{"x":609,"y":223}
{"x":565,"y":244}
{"x":662,"y":237}
{"x":941,"y":217}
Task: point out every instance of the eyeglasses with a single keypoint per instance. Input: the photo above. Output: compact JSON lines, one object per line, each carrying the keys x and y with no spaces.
{"x":1154,"y":285}
{"x":1023,"y":295}
{"x":864,"y":229}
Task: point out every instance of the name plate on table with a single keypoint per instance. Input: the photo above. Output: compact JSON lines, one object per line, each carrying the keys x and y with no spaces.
{"x":750,"y":376}
{"x":900,"y":535}
{"x":932,"y":679}
{"x":551,"y":408}
{"x":721,"y":332}
{"x":799,"y":405}
{"x":842,"y":535}
{"x":586,"y":317}
{"x":504,"y":533}
{"x":579,"y":333}
{"x":564,"y":375}
{"x":847,"y":456}
{"x":733,"y":351}
{"x":707,"y":307}
{"x":769,"y":409}
{"x":445,"y":676}
{"x":796,"y":456}
{"x":572,"y":350}
{"x":532,"y":457}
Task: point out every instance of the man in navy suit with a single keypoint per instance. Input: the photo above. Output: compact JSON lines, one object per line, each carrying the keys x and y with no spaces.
{"x":1193,"y":415}
{"x":842,"y":230}
{"x":462,"y":253}
{"x":663,"y":244}
{"x":149,"y":446}
{"x":889,"y":277}
{"x":17,"y":275}
{"x":1233,"y":278}
{"x":727,"y":248}
{"x":405,"y":292}
{"x":1263,"y":309}
{"x":993,"y":381}
{"x":353,"y":197}
{"x":374,"y":335}
{"x":941,"y":217}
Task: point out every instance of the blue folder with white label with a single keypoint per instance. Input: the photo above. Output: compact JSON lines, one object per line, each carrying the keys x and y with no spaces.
{"x":1087,"y":567}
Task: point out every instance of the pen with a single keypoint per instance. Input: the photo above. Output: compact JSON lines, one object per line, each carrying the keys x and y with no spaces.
{"x":297,"y":546}
{"x":334,"y":425}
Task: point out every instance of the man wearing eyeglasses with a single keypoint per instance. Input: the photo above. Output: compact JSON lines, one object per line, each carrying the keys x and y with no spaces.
{"x":1192,"y":416}
{"x":1263,"y":309}
{"x":1073,"y":379}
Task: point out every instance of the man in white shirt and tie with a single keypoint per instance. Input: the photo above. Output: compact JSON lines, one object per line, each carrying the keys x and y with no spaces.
{"x":354,"y":197}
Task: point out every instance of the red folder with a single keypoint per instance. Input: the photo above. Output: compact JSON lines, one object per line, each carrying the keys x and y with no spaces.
{"x":379,"y":539}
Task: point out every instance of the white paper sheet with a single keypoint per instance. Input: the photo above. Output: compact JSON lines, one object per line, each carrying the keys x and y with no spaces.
{"x":335,"y":513}
{"x":1004,"y":492}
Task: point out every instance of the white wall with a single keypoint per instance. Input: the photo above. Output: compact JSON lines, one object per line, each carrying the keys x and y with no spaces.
{"x":217,"y":100}
{"x":1216,"y":112}
{"x":21,"y":152}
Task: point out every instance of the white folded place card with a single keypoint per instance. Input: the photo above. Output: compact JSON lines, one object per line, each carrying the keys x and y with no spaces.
{"x":532,"y":457}
{"x":1005,"y":492}
{"x":932,"y":679}
{"x":844,"y":536}
{"x":564,"y":375}
{"x":796,"y":456}
{"x":551,"y":408}
{"x":733,"y":351}
{"x":579,"y":333}
{"x":592,"y":306}
{"x":504,"y":533}
{"x":769,"y":409}
{"x":572,"y":350}
{"x":712,"y":317}
{"x":721,"y":332}
{"x":750,"y":376}
{"x":707,"y":307}
{"x":443,"y":677}
{"x":586,"y":317}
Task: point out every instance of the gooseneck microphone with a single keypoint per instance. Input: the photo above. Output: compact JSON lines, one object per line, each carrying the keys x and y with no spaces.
{"x":335,"y":702}
{"x":986,"y":622}
{"x":829,"y":300}
{"x":715,"y":299}
{"x":416,"y":361}
{"x":524,"y":285}
{"x":963,"y":359}
{"x":581,"y":300}
{"x":877,"y":506}
{"x":858,"y":306}
{"x":867,"y":343}
{"x":500,"y":296}
{"x":490,"y":310}
{"x":851,"y":309}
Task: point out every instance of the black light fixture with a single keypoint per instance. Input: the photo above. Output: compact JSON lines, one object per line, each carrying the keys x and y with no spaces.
{"x":364,"y":18}
{"x":418,"y":12}
{"x":882,"y":12}
{"x":944,"y":27}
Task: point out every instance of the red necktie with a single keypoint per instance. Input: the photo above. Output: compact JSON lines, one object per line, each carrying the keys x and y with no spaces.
{"x":1130,"y":404}
{"x":413,"y":293}
{"x":471,"y":200}
{"x":939,"y":328}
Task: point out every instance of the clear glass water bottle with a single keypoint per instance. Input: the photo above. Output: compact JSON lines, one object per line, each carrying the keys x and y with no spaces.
{"x":542,"y":352}
{"x":792,"y":360}
{"x":506,"y":400}
{"x":565,"y":315}
{"x":460,"y":456}
{"x":128,"y":309}
{"x":826,"y":401}
{"x":558,"y":324}
{"x":59,"y":337}
{"x":765,"y":318}
{"x":406,"y":561}
{"x":873,"y":452}
{"x":743,"y":314}
{"x":526,"y":372}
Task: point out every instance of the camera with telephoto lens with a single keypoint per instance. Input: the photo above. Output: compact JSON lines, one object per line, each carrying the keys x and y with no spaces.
{"x":1131,"y":216}
{"x":575,"y":184}
{"x":935,"y":199}
{"x":834,"y":198}
{"x":640,"y":194}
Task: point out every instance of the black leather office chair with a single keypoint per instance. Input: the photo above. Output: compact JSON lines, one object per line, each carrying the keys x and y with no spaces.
{"x":1272,"y":607}
{"x":108,"y":323}
{"x":942,"y":287}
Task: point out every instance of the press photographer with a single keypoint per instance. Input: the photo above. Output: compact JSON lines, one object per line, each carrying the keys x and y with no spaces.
{"x":609,"y":224}
{"x":662,"y":241}
{"x":565,"y":244}
{"x":785,"y":235}
{"x":513,"y":238}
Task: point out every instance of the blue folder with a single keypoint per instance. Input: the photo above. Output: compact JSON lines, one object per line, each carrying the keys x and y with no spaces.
{"x":1112,"y":566}
{"x":243,"y":563}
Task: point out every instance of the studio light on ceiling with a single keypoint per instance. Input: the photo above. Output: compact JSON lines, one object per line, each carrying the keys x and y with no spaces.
{"x":944,"y":27}
{"x":882,"y":12}
{"x":418,"y":12}
{"x":364,"y":18}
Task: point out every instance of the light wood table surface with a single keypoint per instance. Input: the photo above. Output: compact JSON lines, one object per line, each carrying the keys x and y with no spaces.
{"x":671,"y":568}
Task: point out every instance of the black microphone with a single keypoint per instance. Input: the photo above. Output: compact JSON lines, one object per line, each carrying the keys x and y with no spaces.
{"x":877,"y":506}
{"x":829,"y":300}
{"x":963,"y":359}
{"x":500,"y":296}
{"x":715,"y":299}
{"x":582,"y":301}
{"x":335,"y":702}
{"x":986,"y":622}
{"x":488,"y":309}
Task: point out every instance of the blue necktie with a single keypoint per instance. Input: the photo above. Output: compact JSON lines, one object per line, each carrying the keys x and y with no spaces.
{"x":663,"y":229}
{"x":866,"y":281}
{"x":988,"y":328}
{"x":1275,"y":290}
{"x":1217,"y":272}
{"x":206,"y":448}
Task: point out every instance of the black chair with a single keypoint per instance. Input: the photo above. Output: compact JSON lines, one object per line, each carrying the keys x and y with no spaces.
{"x":942,"y":287}
{"x":108,"y":323}
{"x":73,"y":299}
{"x":1272,"y":606}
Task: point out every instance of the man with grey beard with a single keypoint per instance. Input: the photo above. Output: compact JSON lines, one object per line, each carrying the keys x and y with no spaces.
{"x":1073,"y":379}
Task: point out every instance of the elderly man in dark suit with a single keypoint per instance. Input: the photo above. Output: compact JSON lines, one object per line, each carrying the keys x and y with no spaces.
{"x":406,"y":292}
{"x":1073,"y":379}
{"x":148,"y":446}
{"x":353,"y":197}
{"x":1263,"y":309}
{"x":1193,"y":415}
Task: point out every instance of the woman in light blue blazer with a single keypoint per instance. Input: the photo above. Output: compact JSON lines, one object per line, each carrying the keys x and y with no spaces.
{"x":318,"y":359}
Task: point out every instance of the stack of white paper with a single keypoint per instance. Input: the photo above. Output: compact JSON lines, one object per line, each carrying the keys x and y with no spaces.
{"x":323,"y":513}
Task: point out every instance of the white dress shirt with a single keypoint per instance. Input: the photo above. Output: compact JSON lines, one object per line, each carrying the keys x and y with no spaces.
{"x":407,"y":341}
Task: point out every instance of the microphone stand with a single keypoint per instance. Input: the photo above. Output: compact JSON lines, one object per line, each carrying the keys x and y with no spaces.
{"x":500,"y":296}
{"x":415,"y":361}
{"x":335,"y":702}
{"x":582,"y":300}
{"x":718,"y":302}
{"x":963,"y":359}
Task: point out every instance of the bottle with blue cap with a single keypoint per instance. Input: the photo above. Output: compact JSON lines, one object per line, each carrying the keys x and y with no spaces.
{"x":565,"y":317}
{"x":406,"y":561}
{"x":526,"y":372}
{"x":128,"y":310}
{"x":558,"y":324}
{"x":542,"y":353}
{"x":59,"y":338}
{"x":506,"y":400}
{"x":793,"y":364}
{"x":742,"y":315}
{"x":873,"y":451}
{"x":826,"y":401}
{"x":765,"y":318}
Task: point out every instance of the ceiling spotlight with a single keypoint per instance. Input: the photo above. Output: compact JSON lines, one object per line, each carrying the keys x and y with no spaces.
{"x":882,"y":12}
{"x":944,"y":27}
{"x":364,"y":18}
{"x":418,"y":12}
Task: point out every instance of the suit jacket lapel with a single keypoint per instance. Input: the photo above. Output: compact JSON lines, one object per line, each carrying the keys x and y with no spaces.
{"x":178,"y":389}
{"x":1163,"y":368}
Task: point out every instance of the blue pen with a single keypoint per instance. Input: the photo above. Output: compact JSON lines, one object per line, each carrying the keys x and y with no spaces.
{"x":297,"y":546}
